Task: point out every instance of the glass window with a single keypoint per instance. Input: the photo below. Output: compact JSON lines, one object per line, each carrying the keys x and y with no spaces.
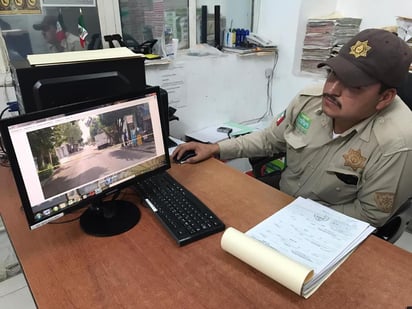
{"x":39,"y":33}
{"x":146,"y":20}
{"x":233,"y":15}
{"x":139,"y":21}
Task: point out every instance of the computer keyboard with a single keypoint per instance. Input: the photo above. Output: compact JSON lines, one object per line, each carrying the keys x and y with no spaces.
{"x":183,"y":215}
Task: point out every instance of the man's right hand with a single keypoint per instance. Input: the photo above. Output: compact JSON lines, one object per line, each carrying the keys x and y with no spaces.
{"x":203,"y":151}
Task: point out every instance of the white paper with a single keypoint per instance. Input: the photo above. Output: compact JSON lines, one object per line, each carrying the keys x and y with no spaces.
{"x":80,"y":56}
{"x":308,"y":232}
{"x":313,"y":235}
{"x":268,"y":261}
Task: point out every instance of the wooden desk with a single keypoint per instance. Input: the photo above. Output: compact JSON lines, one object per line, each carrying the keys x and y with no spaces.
{"x":144,"y":268}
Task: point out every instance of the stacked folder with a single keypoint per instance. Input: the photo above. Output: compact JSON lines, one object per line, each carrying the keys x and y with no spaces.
{"x":323,"y":39}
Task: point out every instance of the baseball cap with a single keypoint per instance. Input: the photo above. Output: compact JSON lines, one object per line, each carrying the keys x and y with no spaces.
{"x":371,"y":56}
{"x":46,"y":23}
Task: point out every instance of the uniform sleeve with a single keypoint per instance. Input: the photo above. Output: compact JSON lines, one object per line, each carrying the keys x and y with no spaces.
{"x":262,"y":143}
{"x":383,"y":190}
{"x":257,"y":144}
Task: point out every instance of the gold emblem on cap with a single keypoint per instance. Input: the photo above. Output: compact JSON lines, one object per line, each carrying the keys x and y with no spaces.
{"x":354,"y":159}
{"x":360,"y":49}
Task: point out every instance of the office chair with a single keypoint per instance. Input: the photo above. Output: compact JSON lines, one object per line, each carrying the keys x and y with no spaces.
{"x":405,"y":91}
{"x":392,"y":230}
{"x":268,"y":169}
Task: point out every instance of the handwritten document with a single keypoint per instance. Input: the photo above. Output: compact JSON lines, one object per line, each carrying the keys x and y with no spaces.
{"x":312,"y":235}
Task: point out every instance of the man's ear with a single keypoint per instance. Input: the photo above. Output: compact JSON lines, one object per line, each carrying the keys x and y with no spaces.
{"x":386,"y":98}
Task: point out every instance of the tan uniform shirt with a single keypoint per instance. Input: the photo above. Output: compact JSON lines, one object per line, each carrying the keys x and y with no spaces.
{"x":366,"y":172}
{"x":70,"y":43}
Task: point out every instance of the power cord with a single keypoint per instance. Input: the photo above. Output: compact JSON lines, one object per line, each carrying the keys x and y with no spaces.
{"x":269,"y":74}
{"x":11,"y":107}
{"x":269,"y":86}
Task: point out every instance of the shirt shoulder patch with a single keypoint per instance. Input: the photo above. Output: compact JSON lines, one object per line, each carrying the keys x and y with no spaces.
{"x":303,"y":122}
{"x":384,"y":201}
{"x":280,"y":118}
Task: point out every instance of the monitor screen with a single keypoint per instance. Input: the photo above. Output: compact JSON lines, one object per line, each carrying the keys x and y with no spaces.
{"x":79,"y":154}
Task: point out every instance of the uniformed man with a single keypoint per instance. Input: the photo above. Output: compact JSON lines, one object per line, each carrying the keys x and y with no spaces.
{"x":58,"y":40}
{"x":348,"y":143}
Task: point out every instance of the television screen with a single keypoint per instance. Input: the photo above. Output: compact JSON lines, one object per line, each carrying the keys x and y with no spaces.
{"x":78,"y":154}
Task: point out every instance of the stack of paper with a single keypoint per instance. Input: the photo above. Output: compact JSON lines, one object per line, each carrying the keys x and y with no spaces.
{"x":83,"y":55}
{"x":323,"y":39}
{"x":405,"y":29}
{"x":299,"y":246}
{"x":250,"y":51}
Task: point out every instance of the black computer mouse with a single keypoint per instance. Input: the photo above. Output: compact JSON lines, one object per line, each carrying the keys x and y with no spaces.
{"x":186,"y":155}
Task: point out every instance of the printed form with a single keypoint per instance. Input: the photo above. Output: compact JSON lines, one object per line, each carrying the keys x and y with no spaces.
{"x":311,"y":234}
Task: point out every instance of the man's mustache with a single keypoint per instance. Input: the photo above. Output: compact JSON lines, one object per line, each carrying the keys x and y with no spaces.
{"x":333,"y":99}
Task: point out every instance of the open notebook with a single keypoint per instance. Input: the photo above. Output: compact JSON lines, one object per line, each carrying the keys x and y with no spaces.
{"x":299,"y":246}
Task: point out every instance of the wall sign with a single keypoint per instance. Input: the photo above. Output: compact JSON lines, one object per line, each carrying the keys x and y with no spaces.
{"x":9,"y":7}
{"x":68,"y":3}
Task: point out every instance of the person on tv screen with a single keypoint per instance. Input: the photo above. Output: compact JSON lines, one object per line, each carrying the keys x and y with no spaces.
{"x":55,"y":34}
{"x":348,"y":142}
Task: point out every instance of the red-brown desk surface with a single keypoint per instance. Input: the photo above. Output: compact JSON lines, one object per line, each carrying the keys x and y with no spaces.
{"x":144,"y":268}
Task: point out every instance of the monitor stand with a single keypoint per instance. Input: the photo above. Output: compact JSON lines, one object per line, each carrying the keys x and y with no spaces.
{"x":108,"y":218}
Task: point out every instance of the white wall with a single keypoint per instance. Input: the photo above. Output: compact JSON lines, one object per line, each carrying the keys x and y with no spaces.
{"x":374,"y":15}
{"x":285,"y":22}
{"x":215,"y":89}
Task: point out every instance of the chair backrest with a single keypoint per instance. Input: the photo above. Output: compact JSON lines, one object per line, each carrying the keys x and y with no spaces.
{"x":405,"y":91}
{"x":268,"y":169}
{"x":392,"y":230}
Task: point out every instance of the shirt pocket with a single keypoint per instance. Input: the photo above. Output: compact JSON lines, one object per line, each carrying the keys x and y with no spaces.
{"x":295,"y":153}
{"x":338,"y":186}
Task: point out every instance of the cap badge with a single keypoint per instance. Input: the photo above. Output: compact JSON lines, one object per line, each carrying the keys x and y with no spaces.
{"x":360,"y":49}
{"x":354,"y":159}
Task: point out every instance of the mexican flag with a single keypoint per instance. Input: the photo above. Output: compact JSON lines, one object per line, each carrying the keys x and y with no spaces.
{"x":82,"y":29}
{"x":60,"y":34}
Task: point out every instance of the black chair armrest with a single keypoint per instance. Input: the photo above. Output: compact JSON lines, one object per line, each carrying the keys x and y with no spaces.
{"x":267,"y":171}
{"x":258,"y":163}
{"x":392,"y":230}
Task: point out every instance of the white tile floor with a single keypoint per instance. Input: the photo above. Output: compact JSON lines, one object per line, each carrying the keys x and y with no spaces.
{"x":14,"y":292}
{"x":405,"y":241}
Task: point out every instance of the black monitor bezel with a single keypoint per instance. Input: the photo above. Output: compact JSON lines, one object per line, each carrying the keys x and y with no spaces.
{"x":71,"y":109}
{"x":42,"y":87}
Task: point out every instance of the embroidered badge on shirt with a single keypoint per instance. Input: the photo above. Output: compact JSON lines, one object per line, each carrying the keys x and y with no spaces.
{"x":303,"y":122}
{"x":280,"y":118}
{"x":360,"y":49}
{"x":354,"y":159}
{"x":384,"y":201}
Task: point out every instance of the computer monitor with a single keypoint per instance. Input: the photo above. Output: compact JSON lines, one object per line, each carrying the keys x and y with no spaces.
{"x":80,"y":154}
{"x":18,"y":43}
{"x":47,"y":86}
